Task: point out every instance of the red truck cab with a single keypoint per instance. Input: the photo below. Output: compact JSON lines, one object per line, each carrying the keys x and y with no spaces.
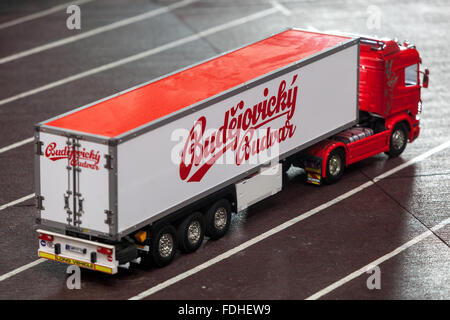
{"x":389,"y":111}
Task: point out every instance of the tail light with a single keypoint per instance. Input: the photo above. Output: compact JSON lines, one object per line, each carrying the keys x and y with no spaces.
{"x":106,"y":251}
{"x":46,"y":237}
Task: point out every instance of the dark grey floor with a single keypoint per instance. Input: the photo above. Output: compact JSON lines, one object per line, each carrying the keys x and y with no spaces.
{"x":292,"y":264}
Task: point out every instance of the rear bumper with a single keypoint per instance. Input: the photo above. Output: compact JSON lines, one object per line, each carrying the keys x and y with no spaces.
{"x":80,"y":252}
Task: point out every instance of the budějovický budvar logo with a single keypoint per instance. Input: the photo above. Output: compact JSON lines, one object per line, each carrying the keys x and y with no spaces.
{"x":77,"y":158}
{"x":240,"y":123}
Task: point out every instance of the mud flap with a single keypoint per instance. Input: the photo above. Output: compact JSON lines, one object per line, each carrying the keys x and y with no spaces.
{"x":313,"y":176}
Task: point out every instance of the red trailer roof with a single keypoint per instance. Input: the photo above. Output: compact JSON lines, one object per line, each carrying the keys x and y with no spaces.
{"x":139,"y":106}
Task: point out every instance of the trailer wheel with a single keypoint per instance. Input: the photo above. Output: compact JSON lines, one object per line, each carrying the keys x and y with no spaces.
{"x":190,"y":232}
{"x":335,"y":166}
{"x":217,"y":219}
{"x":398,"y":140}
{"x":163,"y":243}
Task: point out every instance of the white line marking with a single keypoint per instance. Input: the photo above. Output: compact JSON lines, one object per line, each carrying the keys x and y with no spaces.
{"x":40,"y":14}
{"x":142,"y":55}
{"x":281,"y":8}
{"x":378,"y":261}
{"x":22,"y":268}
{"x":96,"y":31}
{"x":281,"y":227}
{"x":12,"y":203}
{"x":16,"y":145}
{"x":416,"y":159}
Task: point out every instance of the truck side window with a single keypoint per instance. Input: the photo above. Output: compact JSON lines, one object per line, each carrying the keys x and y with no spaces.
{"x":411,"y":75}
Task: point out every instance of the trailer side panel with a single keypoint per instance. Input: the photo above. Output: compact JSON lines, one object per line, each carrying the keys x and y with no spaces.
{"x":192,"y":156}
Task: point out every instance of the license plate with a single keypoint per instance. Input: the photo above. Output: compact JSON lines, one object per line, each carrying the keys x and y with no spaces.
{"x":76,"y":249}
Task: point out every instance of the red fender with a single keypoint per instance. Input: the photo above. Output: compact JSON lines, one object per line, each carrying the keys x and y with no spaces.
{"x":323,"y":148}
{"x":401,"y":117}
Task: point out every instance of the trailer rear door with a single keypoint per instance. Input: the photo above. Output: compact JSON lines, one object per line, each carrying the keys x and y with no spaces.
{"x":73,"y":183}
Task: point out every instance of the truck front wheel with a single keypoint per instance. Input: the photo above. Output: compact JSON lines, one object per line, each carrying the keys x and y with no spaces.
{"x":335,"y":166}
{"x":218,"y":218}
{"x":190,"y":232}
{"x":398,"y":140}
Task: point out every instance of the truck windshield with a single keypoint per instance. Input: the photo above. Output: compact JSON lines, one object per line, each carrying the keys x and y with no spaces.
{"x":411,"y":75}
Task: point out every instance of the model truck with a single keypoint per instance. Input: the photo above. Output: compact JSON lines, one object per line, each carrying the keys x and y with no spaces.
{"x":144,"y":173}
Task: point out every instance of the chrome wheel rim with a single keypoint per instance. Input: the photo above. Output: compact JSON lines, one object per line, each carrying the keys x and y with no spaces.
{"x":194,"y":232}
{"x":165,"y":245}
{"x":398,"y":139}
{"x":335,"y":165}
{"x":220,"y":218}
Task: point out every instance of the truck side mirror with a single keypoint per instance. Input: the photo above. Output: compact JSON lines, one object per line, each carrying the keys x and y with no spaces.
{"x":425,"y":78}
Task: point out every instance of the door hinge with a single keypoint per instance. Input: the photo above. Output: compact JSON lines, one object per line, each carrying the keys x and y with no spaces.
{"x":39,"y":200}
{"x":109,"y":217}
{"x":39,"y":145}
{"x":109,"y":160}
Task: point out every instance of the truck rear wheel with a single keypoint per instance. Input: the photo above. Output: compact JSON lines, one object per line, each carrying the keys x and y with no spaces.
{"x":398,"y":140}
{"x":190,"y":232}
{"x":162,"y":247}
{"x":335,"y":166}
{"x":217,"y":219}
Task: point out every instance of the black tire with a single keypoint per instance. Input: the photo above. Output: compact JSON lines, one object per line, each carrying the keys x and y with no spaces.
{"x":217,"y":219}
{"x":286,"y":165}
{"x":398,"y":140}
{"x":126,"y":251}
{"x":190,"y":232}
{"x":162,"y":247}
{"x":335,"y":166}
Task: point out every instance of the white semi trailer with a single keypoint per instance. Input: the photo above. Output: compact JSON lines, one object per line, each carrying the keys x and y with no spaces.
{"x":145,"y":172}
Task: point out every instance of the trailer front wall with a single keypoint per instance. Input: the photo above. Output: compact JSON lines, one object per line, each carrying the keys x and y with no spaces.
{"x":170,"y":166}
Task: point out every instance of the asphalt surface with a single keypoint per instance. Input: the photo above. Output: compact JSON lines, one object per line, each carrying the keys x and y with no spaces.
{"x":295,"y":263}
